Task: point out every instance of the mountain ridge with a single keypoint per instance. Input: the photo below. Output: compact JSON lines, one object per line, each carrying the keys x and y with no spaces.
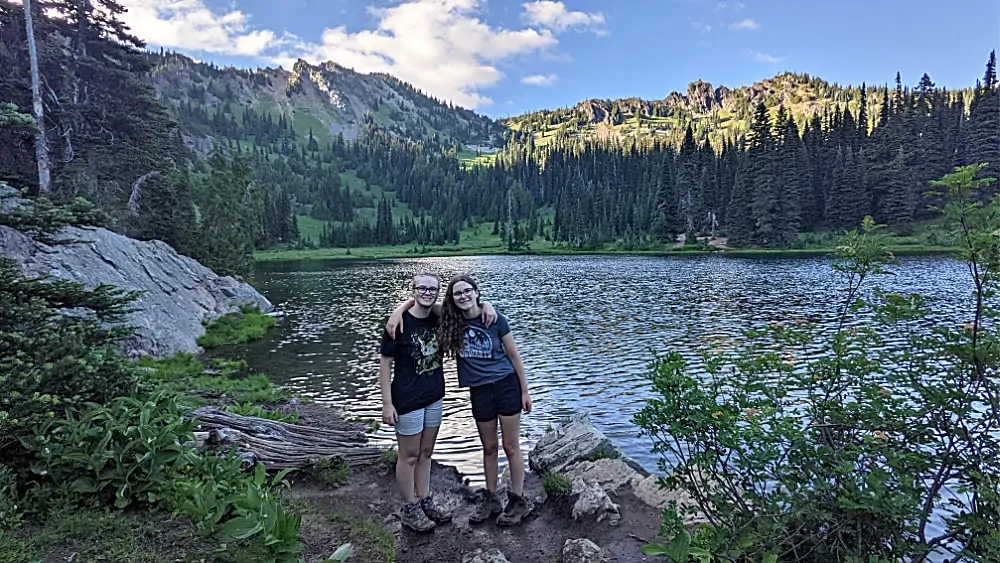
{"x":327,"y":98}
{"x":716,"y":112}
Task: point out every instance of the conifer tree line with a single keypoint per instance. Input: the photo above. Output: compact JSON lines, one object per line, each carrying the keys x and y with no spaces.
{"x":777,"y":181}
{"x":760,"y":190}
{"x":114,"y":143}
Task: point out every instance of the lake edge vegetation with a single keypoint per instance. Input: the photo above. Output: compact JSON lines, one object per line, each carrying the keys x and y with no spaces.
{"x":94,"y":443}
{"x":877,"y":449}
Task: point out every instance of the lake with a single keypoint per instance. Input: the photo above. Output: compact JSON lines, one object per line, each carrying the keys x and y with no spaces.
{"x":587,"y":327}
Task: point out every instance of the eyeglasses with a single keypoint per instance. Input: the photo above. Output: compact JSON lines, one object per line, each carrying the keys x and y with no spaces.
{"x":427,"y":290}
{"x":464,"y":292}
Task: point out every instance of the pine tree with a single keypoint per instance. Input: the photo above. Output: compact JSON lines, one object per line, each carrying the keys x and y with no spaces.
{"x":984,"y":131}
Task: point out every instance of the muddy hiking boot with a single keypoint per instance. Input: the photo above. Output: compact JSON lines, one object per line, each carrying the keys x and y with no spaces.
{"x":412,"y":516}
{"x":516,"y":510}
{"x":487,"y":505}
{"x":433,"y":511}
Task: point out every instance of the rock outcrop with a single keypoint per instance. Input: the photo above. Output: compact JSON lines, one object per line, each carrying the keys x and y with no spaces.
{"x":179,"y":295}
{"x":598,"y":470}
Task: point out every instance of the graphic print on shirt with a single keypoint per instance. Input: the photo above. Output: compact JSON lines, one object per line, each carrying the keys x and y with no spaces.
{"x":476,"y":343}
{"x":425,"y":351}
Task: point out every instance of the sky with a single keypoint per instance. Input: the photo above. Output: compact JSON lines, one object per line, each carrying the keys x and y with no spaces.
{"x":508,"y":57}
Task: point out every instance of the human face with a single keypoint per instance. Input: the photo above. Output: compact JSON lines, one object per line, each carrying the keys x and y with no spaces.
{"x":425,"y":290}
{"x":465,"y":295}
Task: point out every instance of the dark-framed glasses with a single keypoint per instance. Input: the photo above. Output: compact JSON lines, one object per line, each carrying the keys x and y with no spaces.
{"x":427,"y":290}
{"x":464,"y":292}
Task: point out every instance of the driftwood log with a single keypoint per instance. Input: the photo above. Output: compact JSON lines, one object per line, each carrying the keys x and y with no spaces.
{"x":280,"y":445}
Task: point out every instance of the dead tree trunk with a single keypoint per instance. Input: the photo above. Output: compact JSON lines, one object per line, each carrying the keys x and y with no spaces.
{"x":280,"y":445}
{"x":41,"y":142}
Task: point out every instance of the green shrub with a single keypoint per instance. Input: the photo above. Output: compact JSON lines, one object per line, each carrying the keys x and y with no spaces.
{"x":256,"y":411}
{"x":225,"y":502}
{"x":56,"y":338}
{"x":236,"y":328}
{"x":799,"y":446}
{"x":557,"y":484}
{"x":125,"y":450}
{"x":10,"y":504}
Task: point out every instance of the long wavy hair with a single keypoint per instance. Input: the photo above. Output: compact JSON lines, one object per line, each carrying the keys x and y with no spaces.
{"x":451,"y":329}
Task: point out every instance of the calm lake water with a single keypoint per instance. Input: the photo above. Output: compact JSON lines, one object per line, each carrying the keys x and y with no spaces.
{"x":587,"y":327}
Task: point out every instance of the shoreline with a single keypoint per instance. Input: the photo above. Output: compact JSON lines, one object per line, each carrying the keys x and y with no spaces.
{"x":390,"y":253}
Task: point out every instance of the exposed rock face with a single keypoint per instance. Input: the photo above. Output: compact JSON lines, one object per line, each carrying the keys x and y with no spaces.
{"x":579,"y":450}
{"x":574,"y":440}
{"x":179,"y":294}
{"x":583,"y":550}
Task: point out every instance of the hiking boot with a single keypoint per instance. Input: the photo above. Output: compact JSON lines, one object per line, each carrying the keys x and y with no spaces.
{"x":487,"y":505}
{"x":517,"y":508}
{"x":433,"y":511}
{"x":413,"y":517}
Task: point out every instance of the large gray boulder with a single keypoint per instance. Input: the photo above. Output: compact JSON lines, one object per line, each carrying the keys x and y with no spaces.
{"x":179,"y":294}
{"x":574,"y":440}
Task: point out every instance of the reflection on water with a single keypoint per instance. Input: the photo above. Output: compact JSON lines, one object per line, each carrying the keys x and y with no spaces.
{"x":586,"y":327}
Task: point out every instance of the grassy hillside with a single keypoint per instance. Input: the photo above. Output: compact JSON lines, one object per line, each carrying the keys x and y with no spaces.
{"x":719,"y":113}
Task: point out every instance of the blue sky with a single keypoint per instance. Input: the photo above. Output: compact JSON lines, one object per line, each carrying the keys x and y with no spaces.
{"x":504,"y":57}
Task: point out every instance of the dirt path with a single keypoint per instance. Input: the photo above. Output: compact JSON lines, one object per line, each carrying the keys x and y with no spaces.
{"x":363,"y":511}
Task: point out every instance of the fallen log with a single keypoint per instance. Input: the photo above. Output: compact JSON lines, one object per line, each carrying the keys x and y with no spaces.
{"x":280,"y":445}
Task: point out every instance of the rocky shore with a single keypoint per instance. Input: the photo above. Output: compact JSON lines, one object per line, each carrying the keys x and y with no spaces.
{"x":592,"y":504}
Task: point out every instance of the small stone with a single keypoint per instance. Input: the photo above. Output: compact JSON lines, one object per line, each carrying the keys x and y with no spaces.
{"x":652,"y":493}
{"x":493,"y":555}
{"x":583,"y":550}
{"x":392,"y":523}
{"x":592,"y":500}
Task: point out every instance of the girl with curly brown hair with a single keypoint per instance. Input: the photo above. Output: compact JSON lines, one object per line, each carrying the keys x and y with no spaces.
{"x":490,"y":366}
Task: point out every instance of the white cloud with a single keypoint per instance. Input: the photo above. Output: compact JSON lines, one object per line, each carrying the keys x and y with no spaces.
{"x":765,"y":58}
{"x":554,"y":15}
{"x":191,"y":25}
{"x":440,"y":46}
{"x":540,"y":79}
{"x":746,"y":24}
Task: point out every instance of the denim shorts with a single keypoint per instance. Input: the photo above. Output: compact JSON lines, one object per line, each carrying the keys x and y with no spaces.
{"x":414,"y":422}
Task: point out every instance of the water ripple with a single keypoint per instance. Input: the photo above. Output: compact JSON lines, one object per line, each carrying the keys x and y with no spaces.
{"x":587,"y":327}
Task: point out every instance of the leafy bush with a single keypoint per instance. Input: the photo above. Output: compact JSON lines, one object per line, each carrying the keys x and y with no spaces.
{"x":127,"y":449}
{"x":223,"y":501}
{"x":56,"y":338}
{"x":10,"y":506}
{"x":875,"y":443}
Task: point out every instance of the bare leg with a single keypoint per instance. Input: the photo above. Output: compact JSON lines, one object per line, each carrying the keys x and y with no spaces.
{"x":406,"y":463}
{"x":422,"y":479}
{"x":491,"y":452}
{"x":510,"y":427}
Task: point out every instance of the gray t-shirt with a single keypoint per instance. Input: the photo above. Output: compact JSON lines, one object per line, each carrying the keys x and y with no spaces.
{"x":482,"y":359}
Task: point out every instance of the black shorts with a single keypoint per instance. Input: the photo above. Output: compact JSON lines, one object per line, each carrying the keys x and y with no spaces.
{"x":501,"y":398}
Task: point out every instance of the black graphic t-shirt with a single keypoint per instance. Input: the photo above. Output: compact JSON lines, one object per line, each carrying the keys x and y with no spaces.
{"x":482,"y":359}
{"x":417,"y":372}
